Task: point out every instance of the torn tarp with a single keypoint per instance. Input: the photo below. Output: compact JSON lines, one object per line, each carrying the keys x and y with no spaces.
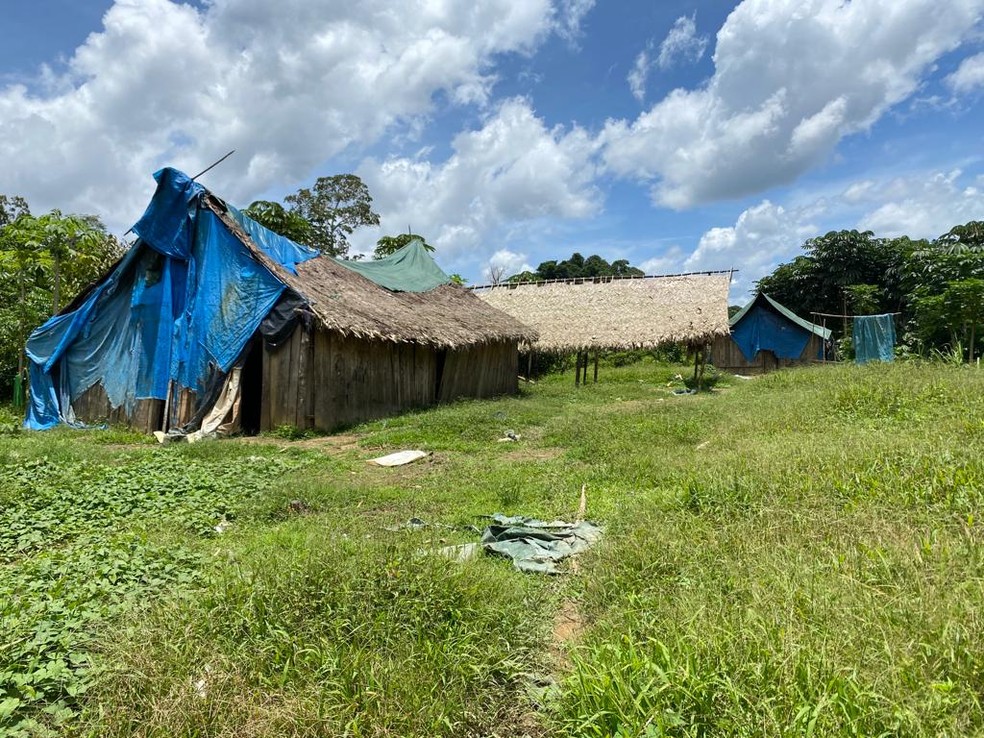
{"x":535,"y":545}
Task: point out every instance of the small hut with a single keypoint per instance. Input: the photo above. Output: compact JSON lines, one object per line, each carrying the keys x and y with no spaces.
{"x":212,"y":323}
{"x":766,"y":336}
{"x":613,"y":313}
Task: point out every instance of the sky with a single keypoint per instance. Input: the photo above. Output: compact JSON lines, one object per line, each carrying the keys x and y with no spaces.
{"x":682,"y":135}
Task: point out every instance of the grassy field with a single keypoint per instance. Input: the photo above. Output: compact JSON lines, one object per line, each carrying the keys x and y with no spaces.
{"x":798,"y":554}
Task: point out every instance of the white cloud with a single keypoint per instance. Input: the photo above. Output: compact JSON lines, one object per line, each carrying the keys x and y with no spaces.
{"x":921,"y":206}
{"x":639,"y":74}
{"x":570,"y":17}
{"x":512,"y":170}
{"x":682,"y":43}
{"x":287,"y":84}
{"x":505,"y":263}
{"x":918,"y":205}
{"x":792,"y":77}
{"x":669,"y":261}
{"x":763,"y":236}
{"x":969,"y":75}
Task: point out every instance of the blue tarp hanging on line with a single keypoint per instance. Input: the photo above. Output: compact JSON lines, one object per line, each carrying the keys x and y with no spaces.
{"x":180,"y":305}
{"x":874,"y":338}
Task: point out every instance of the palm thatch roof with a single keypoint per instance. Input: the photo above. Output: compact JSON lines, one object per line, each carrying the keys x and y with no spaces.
{"x":341,"y":300}
{"x":607,"y":313}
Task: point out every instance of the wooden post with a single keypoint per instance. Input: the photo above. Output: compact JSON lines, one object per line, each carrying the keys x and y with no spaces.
{"x":696,"y":360}
{"x":596,"y":367}
{"x":529,"y":365}
{"x":577,"y":369}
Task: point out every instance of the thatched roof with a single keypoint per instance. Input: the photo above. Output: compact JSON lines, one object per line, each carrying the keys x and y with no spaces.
{"x":448,"y":316}
{"x":618,"y":314}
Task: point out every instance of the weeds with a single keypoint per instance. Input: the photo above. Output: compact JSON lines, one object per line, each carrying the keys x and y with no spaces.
{"x":794,"y":555}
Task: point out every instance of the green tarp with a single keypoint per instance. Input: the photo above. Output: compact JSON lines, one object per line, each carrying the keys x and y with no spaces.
{"x":411,"y":269}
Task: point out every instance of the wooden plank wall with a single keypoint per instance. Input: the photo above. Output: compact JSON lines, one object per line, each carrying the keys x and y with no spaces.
{"x":324,"y":380}
{"x":485,"y":370}
{"x":93,"y":407}
{"x":725,"y":354}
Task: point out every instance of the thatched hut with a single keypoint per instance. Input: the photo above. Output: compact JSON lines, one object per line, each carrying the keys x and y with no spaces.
{"x":766,"y":336}
{"x":607,"y":313}
{"x":213,"y":323}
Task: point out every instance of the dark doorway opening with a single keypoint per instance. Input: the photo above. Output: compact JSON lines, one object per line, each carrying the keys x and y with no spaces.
{"x":441,"y":358}
{"x":251,"y":386}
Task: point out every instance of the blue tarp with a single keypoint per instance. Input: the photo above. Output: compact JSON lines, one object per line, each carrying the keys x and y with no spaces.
{"x":761,"y":328}
{"x":874,"y":338}
{"x":180,"y":306}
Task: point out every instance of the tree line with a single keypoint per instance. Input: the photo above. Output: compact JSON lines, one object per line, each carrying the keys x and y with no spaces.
{"x":936,"y":285}
{"x":576,"y":267}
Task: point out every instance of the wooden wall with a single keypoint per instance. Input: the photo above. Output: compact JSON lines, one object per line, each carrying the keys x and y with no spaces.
{"x":93,"y":408}
{"x":485,"y":370}
{"x":726,"y":355}
{"x":323,"y":380}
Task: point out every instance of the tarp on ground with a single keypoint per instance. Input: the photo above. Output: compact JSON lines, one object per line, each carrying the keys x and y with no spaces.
{"x":765,"y":325}
{"x":874,"y":338}
{"x":537,"y":545}
{"x":411,"y":269}
{"x":178,"y":308}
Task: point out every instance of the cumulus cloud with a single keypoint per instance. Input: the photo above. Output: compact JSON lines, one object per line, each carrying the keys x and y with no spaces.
{"x":514,"y":169}
{"x":682,"y":43}
{"x":792,"y":77}
{"x":919,"y":206}
{"x":505,"y":263}
{"x":763,"y":236}
{"x":969,"y":75}
{"x":288,"y":84}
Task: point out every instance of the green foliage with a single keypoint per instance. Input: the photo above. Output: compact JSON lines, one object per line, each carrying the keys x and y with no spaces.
{"x":334,"y":207}
{"x":278,"y":219}
{"x":391,"y":244}
{"x":797,"y":554}
{"x":45,"y":261}
{"x":76,"y":551}
{"x":863,"y":299}
{"x":348,"y":636}
{"x":855,"y":272}
{"x":578,"y":266}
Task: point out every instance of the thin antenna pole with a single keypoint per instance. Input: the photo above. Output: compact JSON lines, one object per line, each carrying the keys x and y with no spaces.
{"x":212,"y":166}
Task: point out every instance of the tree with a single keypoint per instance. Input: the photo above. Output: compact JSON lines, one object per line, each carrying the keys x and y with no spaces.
{"x":280,"y":220}
{"x":45,"y":261}
{"x":391,"y":244}
{"x":334,"y":207}
{"x":963,"y":238}
{"x":11,"y":208}
{"x":578,"y":267}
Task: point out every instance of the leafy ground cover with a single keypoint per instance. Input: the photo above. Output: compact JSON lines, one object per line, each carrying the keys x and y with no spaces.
{"x":798,"y":554}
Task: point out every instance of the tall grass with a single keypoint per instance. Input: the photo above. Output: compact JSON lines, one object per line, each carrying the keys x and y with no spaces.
{"x":799,"y":554}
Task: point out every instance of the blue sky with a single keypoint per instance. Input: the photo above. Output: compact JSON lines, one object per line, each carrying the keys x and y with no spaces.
{"x":680,"y":135}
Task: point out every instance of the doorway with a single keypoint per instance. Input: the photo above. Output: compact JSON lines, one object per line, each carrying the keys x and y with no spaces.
{"x":251,"y":388}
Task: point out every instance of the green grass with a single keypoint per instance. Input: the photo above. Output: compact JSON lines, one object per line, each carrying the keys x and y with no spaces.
{"x":798,"y":554}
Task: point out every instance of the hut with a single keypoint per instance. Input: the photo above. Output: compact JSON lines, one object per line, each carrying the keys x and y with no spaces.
{"x":617,"y":313}
{"x":212,"y":323}
{"x":766,"y":336}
